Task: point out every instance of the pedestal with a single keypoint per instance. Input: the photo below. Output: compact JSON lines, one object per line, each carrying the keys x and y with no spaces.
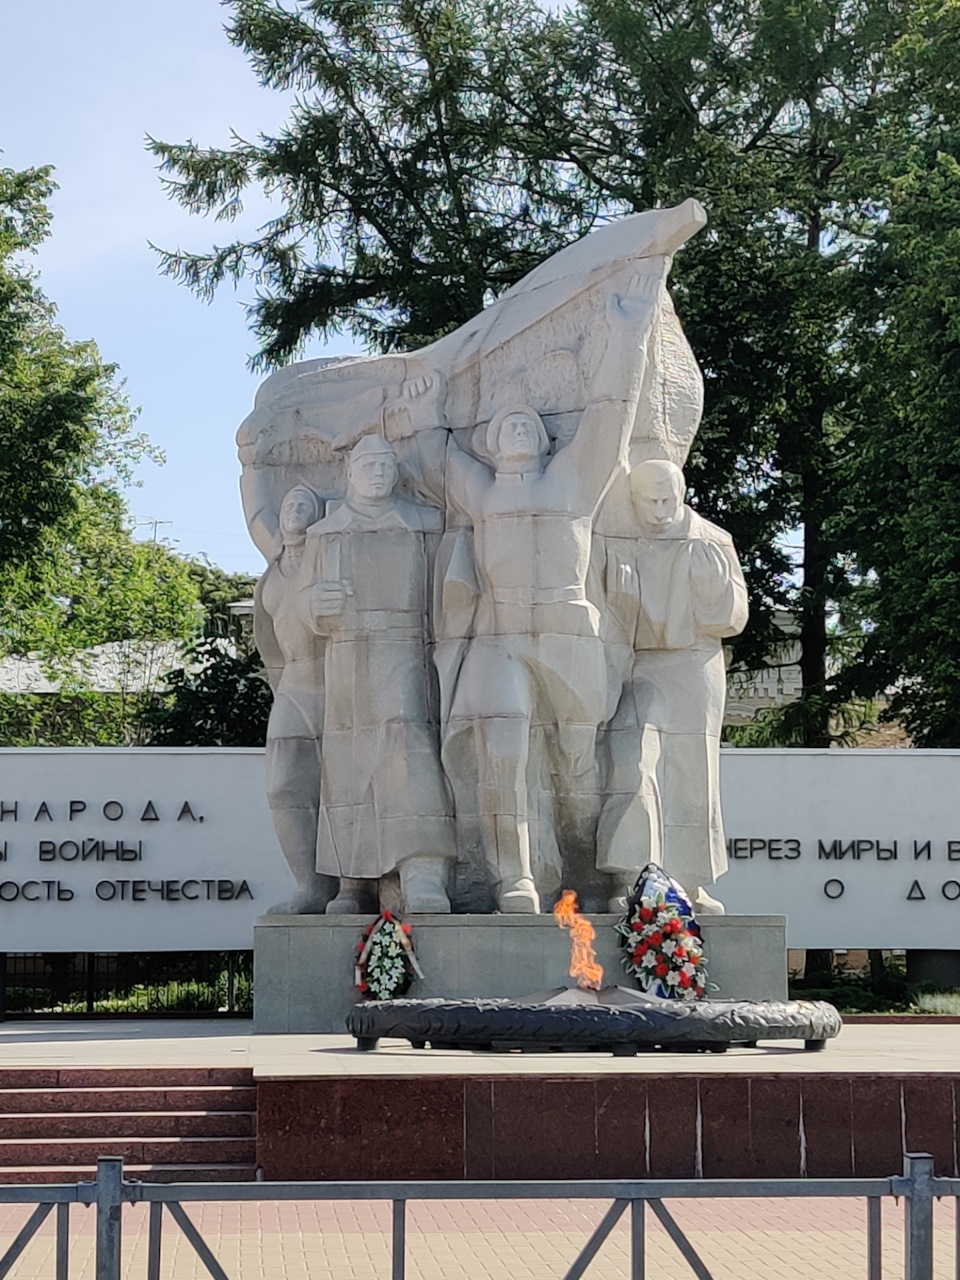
{"x":303,"y":965}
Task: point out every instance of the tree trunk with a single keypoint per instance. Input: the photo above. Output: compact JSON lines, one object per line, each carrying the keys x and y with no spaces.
{"x":813,"y":618}
{"x":819,"y":967}
{"x":815,"y":731}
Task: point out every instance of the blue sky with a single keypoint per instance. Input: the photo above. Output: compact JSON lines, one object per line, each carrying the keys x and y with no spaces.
{"x":82,"y":84}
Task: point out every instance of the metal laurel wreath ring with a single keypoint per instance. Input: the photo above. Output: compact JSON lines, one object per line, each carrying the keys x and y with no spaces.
{"x":648,"y":1022}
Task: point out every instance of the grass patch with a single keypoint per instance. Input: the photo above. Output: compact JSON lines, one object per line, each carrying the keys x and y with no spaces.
{"x":943,"y":1002}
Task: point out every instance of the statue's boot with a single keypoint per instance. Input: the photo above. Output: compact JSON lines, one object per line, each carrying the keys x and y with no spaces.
{"x":296,"y":828}
{"x":704,"y":905}
{"x":516,"y":892}
{"x":423,"y":882}
{"x":356,"y":898}
{"x":519,"y":897}
{"x":305,"y":903}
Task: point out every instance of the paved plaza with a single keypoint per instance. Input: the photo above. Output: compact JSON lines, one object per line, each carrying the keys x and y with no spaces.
{"x":532,"y":1240}
{"x":925,"y":1048}
{"x":738,"y":1240}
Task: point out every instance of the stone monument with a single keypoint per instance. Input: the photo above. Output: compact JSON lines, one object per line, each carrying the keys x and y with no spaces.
{"x":496,"y":648}
{"x":293,"y":657}
{"x":384,"y":805}
{"x":676,"y":590}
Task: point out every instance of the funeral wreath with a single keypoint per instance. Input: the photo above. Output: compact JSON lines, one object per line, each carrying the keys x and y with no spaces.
{"x":386,"y":964}
{"x":662,"y":946}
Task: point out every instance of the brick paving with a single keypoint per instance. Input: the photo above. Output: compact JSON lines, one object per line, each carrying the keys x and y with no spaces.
{"x":477,"y":1240}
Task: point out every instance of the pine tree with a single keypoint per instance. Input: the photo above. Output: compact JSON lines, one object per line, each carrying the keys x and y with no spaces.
{"x":438,"y":150}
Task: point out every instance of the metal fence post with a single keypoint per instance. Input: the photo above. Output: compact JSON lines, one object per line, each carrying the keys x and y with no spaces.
{"x":638,"y":1264}
{"x":109,"y":1206}
{"x":91,"y":981}
{"x":63,"y":1240}
{"x":399,"y":1254}
{"x":153,"y":1244}
{"x":918,"y":1235}
{"x":874,"y":1226}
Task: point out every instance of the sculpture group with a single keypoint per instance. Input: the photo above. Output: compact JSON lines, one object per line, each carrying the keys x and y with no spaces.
{"x":493,"y":628}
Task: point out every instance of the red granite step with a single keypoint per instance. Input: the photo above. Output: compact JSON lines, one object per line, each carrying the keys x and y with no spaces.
{"x":118,"y":1077}
{"x":167,"y":1124}
{"x":221,"y":1097}
{"x":45,"y":1175}
{"x":69,"y":1125}
{"x":136,"y":1150}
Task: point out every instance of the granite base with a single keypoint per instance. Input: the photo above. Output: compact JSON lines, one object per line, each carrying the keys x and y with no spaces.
{"x":637,"y":1123}
{"x":303,"y":965}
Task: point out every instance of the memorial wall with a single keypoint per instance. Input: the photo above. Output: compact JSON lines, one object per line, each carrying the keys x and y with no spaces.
{"x":174,"y":849}
{"x":141,"y":849}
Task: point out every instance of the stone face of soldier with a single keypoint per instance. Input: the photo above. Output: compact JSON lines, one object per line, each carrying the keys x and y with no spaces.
{"x":658,"y":490}
{"x":298,"y":512}
{"x":517,"y":437}
{"x":372,"y":470}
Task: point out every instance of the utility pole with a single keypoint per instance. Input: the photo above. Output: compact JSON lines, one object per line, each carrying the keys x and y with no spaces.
{"x":154,"y":524}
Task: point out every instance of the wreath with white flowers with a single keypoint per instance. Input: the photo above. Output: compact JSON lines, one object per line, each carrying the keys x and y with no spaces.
{"x":663,"y":949}
{"x":386,"y":964}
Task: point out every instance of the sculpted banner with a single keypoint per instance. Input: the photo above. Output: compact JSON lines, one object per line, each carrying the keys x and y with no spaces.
{"x":492,"y":627}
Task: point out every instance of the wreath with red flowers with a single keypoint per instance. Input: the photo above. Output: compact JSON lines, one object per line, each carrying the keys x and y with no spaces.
{"x":386,"y":964}
{"x":662,"y":952}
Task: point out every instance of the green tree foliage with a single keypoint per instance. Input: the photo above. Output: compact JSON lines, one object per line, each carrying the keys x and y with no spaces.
{"x":59,"y":412}
{"x":93,"y":584}
{"x":407,"y":202}
{"x":902,"y":477}
{"x":90,"y":586}
{"x":72,"y":577}
{"x":220,"y":700}
{"x":74,"y":716}
{"x":217,"y":590}
{"x":438,"y":149}
{"x":205,"y":692}
{"x":219,"y":697}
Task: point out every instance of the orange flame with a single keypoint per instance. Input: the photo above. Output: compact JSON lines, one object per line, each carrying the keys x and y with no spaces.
{"x":583,"y":958}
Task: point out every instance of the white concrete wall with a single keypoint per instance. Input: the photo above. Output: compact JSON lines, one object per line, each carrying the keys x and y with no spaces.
{"x":856,"y":848}
{"x":881,"y":807}
{"x":104,"y":880}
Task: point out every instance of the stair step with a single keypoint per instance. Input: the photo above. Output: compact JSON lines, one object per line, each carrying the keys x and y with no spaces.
{"x":135,"y":1077}
{"x":220,"y":1097}
{"x":137,"y":1150}
{"x":181,"y":1124}
{"x":45,"y":1175}
{"x":66,"y":1125}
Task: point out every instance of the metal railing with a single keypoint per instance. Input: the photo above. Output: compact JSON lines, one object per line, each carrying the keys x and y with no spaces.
{"x":177,"y":984}
{"x":917,"y":1186}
